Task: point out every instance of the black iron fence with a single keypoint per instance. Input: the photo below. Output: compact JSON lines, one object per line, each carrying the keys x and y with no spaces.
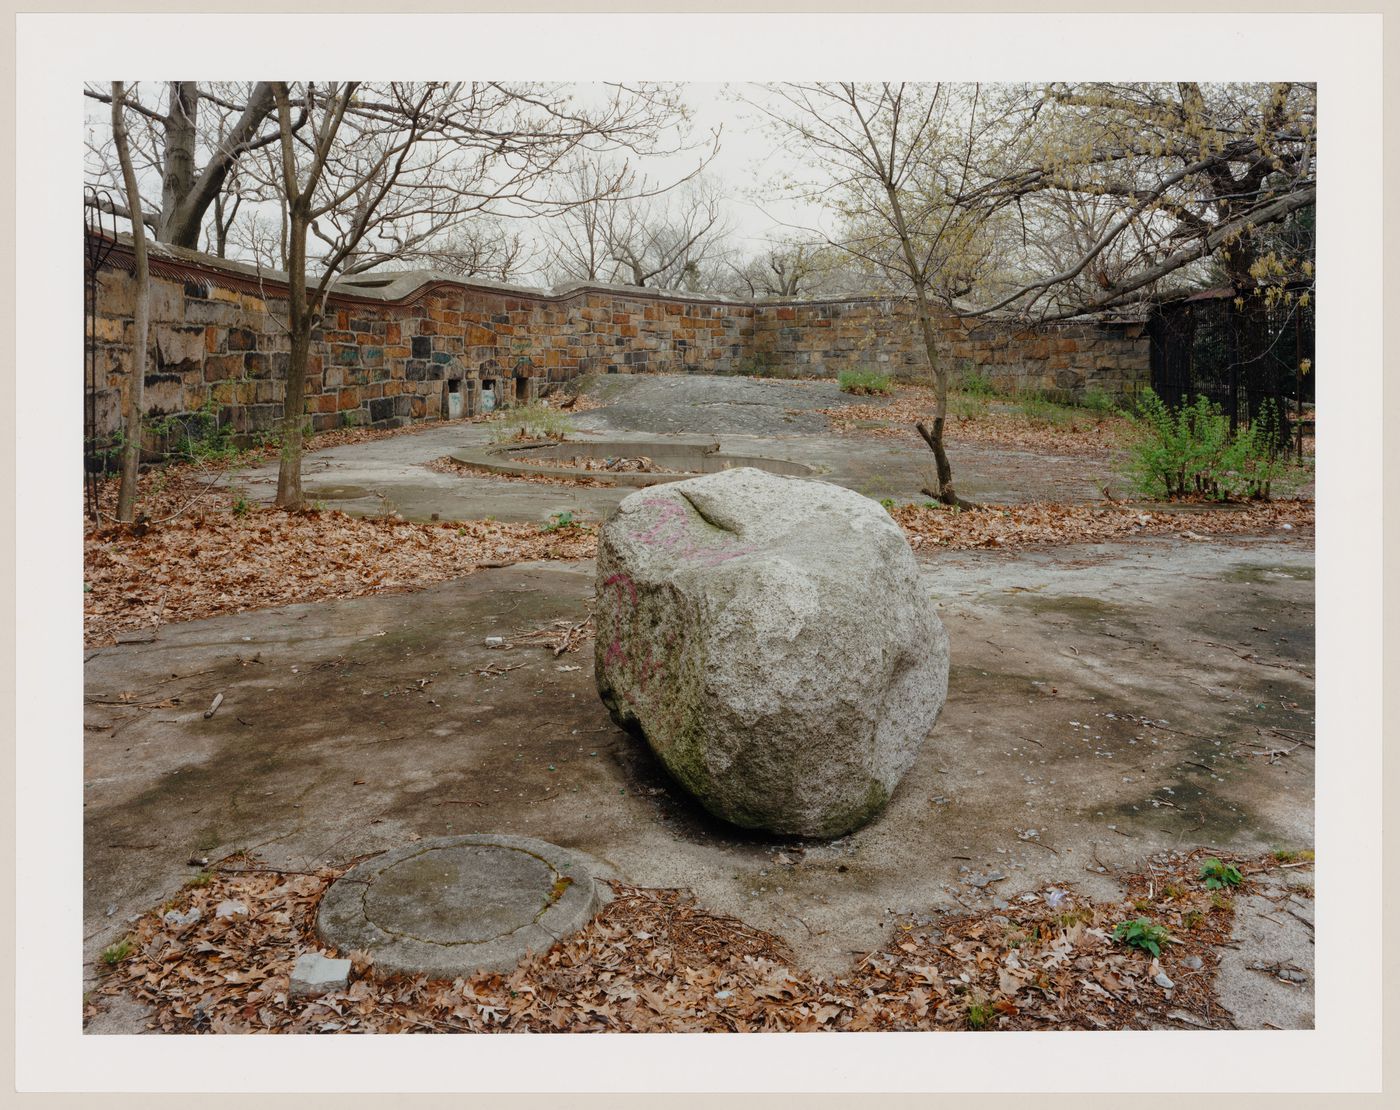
{"x":1239,"y":351}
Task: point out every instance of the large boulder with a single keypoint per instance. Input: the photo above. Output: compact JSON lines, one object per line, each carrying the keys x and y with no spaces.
{"x":769,"y":638}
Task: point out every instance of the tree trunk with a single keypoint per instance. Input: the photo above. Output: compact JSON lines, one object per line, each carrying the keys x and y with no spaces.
{"x":179,"y":171}
{"x":135,"y":394}
{"x":934,"y":438}
{"x":299,"y":321}
{"x":186,"y":191}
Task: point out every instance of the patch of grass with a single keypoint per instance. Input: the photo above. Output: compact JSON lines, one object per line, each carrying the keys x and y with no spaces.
{"x":1082,"y":915}
{"x":887,"y":503}
{"x":1173,"y":892}
{"x":1221,"y":901}
{"x":1289,"y":855}
{"x":977,"y":385}
{"x":1039,"y":408}
{"x":1219,"y":875}
{"x":966,"y":406}
{"x":980,"y":1014}
{"x":862,"y":382}
{"x":1097,"y":401}
{"x":559,"y":522}
{"x":203,"y":878}
{"x":242,"y":506}
{"x":1141,"y":933}
{"x":533,"y":421}
{"x":114,"y":954}
{"x":1192,"y":919}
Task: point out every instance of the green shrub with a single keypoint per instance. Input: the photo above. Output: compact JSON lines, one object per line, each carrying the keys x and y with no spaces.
{"x":1192,"y":451}
{"x":980,"y":1014}
{"x":860,"y":382}
{"x":196,"y":436}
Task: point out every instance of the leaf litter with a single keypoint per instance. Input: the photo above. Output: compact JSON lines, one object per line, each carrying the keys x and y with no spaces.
{"x":204,"y":552}
{"x":655,"y":961}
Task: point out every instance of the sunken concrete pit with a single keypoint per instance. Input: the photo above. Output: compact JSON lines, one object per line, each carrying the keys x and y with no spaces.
{"x":572,"y":461}
{"x":457,"y":905}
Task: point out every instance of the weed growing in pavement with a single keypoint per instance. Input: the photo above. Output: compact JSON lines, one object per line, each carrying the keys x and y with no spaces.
{"x":1141,"y":933}
{"x":1218,"y":875}
{"x":114,"y":954}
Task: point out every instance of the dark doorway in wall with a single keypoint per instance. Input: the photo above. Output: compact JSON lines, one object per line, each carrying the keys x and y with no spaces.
{"x":488,"y":395}
{"x":455,"y":398}
{"x":522,"y":390}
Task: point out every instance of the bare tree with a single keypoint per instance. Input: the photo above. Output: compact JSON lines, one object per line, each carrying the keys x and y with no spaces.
{"x":578,"y":233}
{"x":170,"y":144}
{"x":787,"y":267}
{"x":382,"y":173}
{"x":135,"y":394}
{"x":482,"y":248}
{"x":668,"y":242}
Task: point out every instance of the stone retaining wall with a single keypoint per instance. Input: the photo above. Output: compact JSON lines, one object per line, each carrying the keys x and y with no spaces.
{"x":396,"y":348}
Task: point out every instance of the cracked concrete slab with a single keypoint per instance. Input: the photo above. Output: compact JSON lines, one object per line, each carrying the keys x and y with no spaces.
{"x":1081,"y":705}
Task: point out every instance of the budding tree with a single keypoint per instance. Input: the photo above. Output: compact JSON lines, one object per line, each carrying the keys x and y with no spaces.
{"x":895,"y":157}
{"x":1131,"y":185}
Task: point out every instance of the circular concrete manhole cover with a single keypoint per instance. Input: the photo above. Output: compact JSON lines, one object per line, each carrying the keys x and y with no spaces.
{"x":460,"y":904}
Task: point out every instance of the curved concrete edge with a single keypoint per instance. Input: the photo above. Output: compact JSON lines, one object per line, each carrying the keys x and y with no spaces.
{"x":496,"y":459}
{"x":341,"y":921}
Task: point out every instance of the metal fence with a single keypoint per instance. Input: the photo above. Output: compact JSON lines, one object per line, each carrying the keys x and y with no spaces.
{"x":1237,"y":351}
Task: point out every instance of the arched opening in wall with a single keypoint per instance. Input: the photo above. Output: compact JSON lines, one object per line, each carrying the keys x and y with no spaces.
{"x":488,"y":395}
{"x":522,"y":389}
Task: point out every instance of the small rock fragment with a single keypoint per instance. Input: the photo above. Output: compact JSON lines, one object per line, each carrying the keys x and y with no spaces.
{"x":180,"y":920}
{"x":1193,"y":962}
{"x":1162,"y":981}
{"x":230,"y":908}
{"x":314,"y":974}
